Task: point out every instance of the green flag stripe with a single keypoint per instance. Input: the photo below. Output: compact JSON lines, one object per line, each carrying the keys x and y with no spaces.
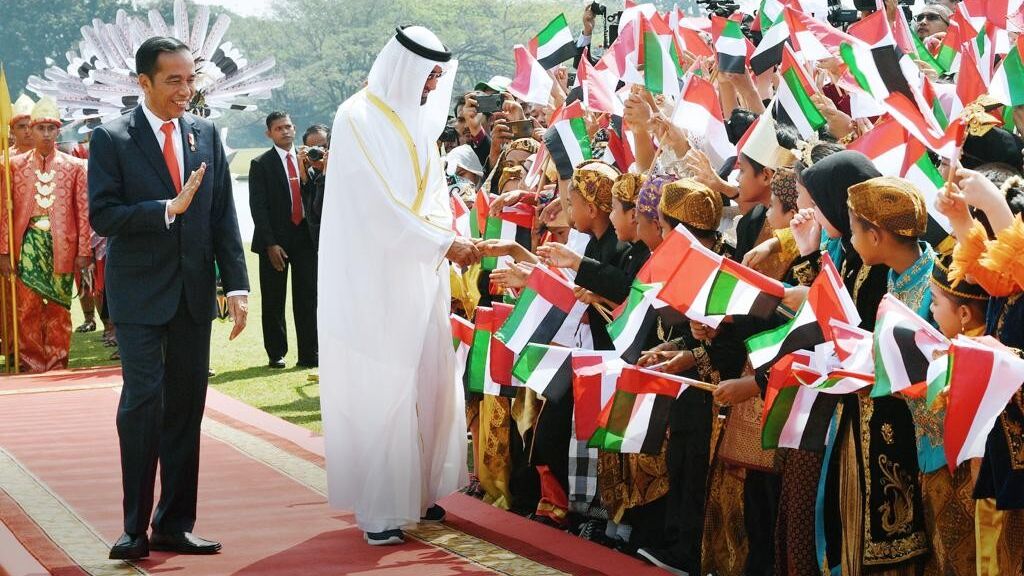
{"x":552,"y":29}
{"x":579,"y":129}
{"x":522,"y":308}
{"x":849,"y":57}
{"x":722,"y":289}
{"x":653,"y":65}
{"x":778,"y":415}
{"x":476,"y":370}
{"x":810,"y":111}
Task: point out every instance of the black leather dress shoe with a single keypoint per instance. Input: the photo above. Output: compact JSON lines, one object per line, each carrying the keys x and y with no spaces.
{"x":129,"y":547}
{"x":276,"y":363}
{"x":183,"y":543}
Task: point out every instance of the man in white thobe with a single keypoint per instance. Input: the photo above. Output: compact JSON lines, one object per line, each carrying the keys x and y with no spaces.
{"x":393,"y":413}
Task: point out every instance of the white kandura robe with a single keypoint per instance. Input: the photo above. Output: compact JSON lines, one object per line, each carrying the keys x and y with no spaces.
{"x":393,"y":412}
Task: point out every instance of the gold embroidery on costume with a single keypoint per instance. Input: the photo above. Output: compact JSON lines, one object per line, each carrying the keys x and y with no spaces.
{"x":898,"y":510}
{"x":887,"y":434}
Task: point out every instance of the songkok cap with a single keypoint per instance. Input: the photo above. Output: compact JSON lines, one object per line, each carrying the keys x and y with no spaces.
{"x":510,"y":173}
{"x":627,"y":187}
{"x":593,"y":180}
{"x":892,"y":204}
{"x":963,"y":289}
{"x":784,"y":187}
{"x":45,"y":111}
{"x":524,"y":145}
{"x":415,"y":38}
{"x":649,"y":197}
{"x":496,"y":84}
{"x":691,"y":203}
{"x":21,"y":108}
{"x":463,"y":157}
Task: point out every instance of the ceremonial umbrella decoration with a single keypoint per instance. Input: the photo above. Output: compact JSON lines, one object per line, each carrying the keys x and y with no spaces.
{"x":99,"y":81}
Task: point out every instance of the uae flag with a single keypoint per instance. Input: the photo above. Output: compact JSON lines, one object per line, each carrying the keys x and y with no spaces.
{"x":532,"y":83}
{"x":853,"y":346}
{"x":489,"y":368}
{"x":981,"y":381}
{"x":659,"y":57}
{"x":547,"y":370}
{"x":699,"y":112}
{"x":904,"y":346}
{"x":730,"y":45}
{"x":827,"y":299}
{"x":950,"y":48}
{"x":874,"y":60}
{"x":794,"y":416}
{"x":774,"y":33}
{"x":919,"y":171}
{"x":515,"y":223}
{"x":554,"y":44}
{"x":1008,"y":81}
{"x":909,"y":43}
{"x":478,"y":214}
{"x":688,"y":287}
{"x":543,"y":306}
{"x":741,"y":291}
{"x":621,"y":150}
{"x":462,"y":340}
{"x":636,"y":419}
{"x":634,"y":323}
{"x":794,"y":97}
{"x":595,"y":374}
{"x":567,"y":140}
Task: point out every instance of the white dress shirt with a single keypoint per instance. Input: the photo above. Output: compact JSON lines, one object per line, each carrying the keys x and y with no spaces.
{"x":157,"y":124}
{"x":295,"y":162}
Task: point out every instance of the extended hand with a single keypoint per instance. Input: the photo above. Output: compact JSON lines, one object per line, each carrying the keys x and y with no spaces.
{"x":238,"y":311}
{"x":463,"y":252}
{"x":734,"y":391}
{"x":180,"y":204}
{"x":760,"y":253}
{"x":658,"y":354}
{"x":806,"y":231}
{"x":278,"y":257}
{"x":559,"y":256}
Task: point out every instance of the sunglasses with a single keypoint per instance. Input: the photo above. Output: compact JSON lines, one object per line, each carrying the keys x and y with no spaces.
{"x":928,"y":16}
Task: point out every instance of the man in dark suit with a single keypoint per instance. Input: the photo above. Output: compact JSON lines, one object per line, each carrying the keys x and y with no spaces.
{"x":282,"y":240}
{"x":316,"y":136}
{"x":167,"y":237}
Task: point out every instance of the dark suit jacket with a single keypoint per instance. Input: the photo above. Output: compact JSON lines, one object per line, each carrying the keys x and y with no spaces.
{"x":313,"y":200}
{"x":270,"y":201}
{"x":148,"y":264}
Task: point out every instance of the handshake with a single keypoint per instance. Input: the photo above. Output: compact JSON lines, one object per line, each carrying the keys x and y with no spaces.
{"x":466,"y":252}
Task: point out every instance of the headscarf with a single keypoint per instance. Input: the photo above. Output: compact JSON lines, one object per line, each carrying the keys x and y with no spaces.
{"x":829,"y":181}
{"x":593,"y":181}
{"x":892,"y":204}
{"x":463,"y":157}
{"x":692,"y":203}
{"x":784,"y":187}
{"x":397,"y":78}
{"x":649,"y":198}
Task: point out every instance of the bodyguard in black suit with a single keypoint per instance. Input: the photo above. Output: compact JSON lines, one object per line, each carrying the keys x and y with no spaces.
{"x":160,"y":190}
{"x":282,"y":240}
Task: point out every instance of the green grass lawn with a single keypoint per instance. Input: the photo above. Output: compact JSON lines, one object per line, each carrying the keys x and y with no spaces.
{"x":241,"y":365}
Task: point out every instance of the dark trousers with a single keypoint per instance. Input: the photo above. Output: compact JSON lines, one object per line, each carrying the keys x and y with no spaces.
{"x":165,"y":369}
{"x":760,"y":511}
{"x":689,"y":454}
{"x":274,"y":290}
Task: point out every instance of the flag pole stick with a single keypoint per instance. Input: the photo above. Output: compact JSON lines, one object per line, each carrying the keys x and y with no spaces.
{"x":11,"y":305}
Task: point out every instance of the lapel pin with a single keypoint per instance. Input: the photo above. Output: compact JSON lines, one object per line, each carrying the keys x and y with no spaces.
{"x":192,"y":141}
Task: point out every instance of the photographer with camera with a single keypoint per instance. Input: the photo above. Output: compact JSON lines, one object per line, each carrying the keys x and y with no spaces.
{"x":316,"y":142}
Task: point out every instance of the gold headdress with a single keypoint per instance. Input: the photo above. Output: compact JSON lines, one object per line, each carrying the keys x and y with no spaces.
{"x":892,"y":204}
{"x":691,"y":203}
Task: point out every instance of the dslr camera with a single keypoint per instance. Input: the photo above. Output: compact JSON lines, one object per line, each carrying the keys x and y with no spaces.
{"x":315,"y":153}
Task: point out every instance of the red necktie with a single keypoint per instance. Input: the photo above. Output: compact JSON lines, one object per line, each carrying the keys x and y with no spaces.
{"x":170,"y":157}
{"x":293,"y":183}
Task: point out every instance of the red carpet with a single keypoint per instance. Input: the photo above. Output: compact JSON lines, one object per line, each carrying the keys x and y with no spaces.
{"x":261,"y":485}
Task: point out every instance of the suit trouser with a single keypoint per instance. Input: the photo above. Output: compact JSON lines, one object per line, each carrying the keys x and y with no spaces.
{"x":274,"y":290}
{"x":166,"y":370}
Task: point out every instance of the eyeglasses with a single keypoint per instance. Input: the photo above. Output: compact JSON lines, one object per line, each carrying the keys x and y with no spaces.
{"x":435,"y":75}
{"x":927,"y":16}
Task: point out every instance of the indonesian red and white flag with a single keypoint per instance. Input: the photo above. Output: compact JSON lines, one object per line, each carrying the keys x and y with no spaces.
{"x":532,"y":83}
